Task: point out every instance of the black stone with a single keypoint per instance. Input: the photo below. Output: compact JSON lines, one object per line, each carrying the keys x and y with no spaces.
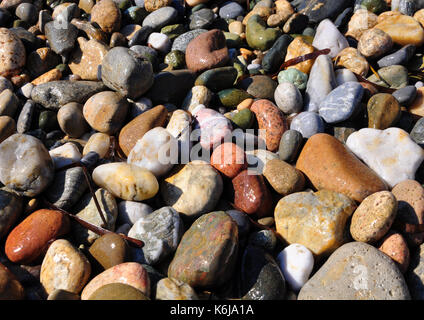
{"x":318,"y":10}
{"x":275,"y":56}
{"x":140,"y":37}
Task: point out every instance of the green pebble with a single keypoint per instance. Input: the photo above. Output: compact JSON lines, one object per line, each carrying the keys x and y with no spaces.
{"x":233,"y":40}
{"x":243,"y":118}
{"x":174,"y":30}
{"x":395,"y":77}
{"x":297,"y":77}
{"x":230,"y":98}
{"x":217,"y":79}
{"x":258,"y":36}
{"x":241,"y":70}
{"x":47,"y":121}
{"x":175,"y":59}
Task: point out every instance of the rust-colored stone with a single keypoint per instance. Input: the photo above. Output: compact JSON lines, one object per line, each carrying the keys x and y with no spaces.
{"x":229,"y":159}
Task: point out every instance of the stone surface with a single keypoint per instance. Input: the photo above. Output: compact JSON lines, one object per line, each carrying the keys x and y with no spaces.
{"x":192,"y":190}
{"x":401,"y":57}
{"x":10,"y":287}
{"x":65,"y":155}
{"x":374,"y":43}
{"x":117,"y":291}
{"x":402,"y":29}
{"x":383,"y":111}
{"x":71,"y":120}
{"x":361,"y":21}
{"x":161,"y":232}
{"x":11,"y":208}
{"x":61,"y":39}
{"x":288,"y":98}
{"x":161,"y":17}
{"x":381,"y":150}
{"x":284,"y":178}
{"x":315,"y":220}
{"x":206,"y":255}
{"x":258,"y":36}
{"x":64,"y":267}
{"x":355,"y":272}
{"x":352,"y":59}
{"x":27,"y":167}
{"x":307,"y":123}
{"x":299,"y":47}
{"x":328,"y":164}
{"x":30,"y":239}
{"x":415,"y":275}
{"x":395,"y":246}
{"x":107,"y":15}
{"x":126,"y":181}
{"x":229,"y":159}
{"x":130,"y":273}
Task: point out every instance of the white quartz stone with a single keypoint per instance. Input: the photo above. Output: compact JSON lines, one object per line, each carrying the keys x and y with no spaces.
{"x":391,"y":153}
{"x":288,"y":98}
{"x":328,"y":36}
{"x":156,"y":151}
{"x":65,"y":155}
{"x":296,"y":262}
{"x":160,"y":42}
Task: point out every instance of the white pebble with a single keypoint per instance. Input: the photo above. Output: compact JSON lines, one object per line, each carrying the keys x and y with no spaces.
{"x":344,"y":75}
{"x":65,"y":155}
{"x":160,"y":42}
{"x":130,"y":211}
{"x":296,"y":262}
{"x":288,"y":98}
{"x":26,"y":90}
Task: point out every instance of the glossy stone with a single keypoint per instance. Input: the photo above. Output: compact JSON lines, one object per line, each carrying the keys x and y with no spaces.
{"x":109,"y":250}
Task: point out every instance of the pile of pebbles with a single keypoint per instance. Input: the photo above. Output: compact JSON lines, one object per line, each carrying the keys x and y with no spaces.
{"x":169,"y":150}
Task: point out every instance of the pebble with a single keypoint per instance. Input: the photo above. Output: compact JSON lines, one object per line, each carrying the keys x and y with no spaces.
{"x":352,"y":59}
{"x":374,"y":217}
{"x":192,"y":190}
{"x":272,"y":122}
{"x":321,"y":82}
{"x":9,"y":103}
{"x":65,"y":155}
{"x":159,"y":42}
{"x":127,"y":72}
{"x":307,"y":123}
{"x":400,"y":57}
{"x":290,"y":145}
{"x":5,"y":84}
{"x":202,"y":19}
{"x":402,"y":29}
{"x":344,"y":75}
{"x":181,"y":42}
{"x":126,"y":181}
{"x":323,"y":158}
{"x":174,"y":289}
{"x":405,"y":96}
{"x":230,"y":10}
{"x":361,"y":21}
{"x":61,"y":38}
{"x":347,"y":262}
{"x":208,"y":50}
{"x":294,"y":76}
{"x":41,"y":61}
{"x":27,"y":167}
{"x":30,"y":238}
{"x":107,"y":15}
{"x":258,"y":36}
{"x":284,"y":178}
{"x":54,"y":94}
{"x":299,"y":47}
{"x":265,"y":239}
{"x":64,"y":267}
{"x":204,"y":259}
{"x":328,"y":36}
{"x":12,"y":53}
{"x":229,"y":159}
{"x":381,"y":150}
{"x":7,"y":127}
{"x":414,"y":276}
{"x":160,"y":18}
{"x":71,"y":120}
{"x":218,"y":79}
{"x":327,"y":207}
{"x":109,"y":250}
{"x":260,"y":87}
{"x":374,"y":43}
{"x":251,"y":195}
{"x":296,"y":262}
{"x":395,"y":246}
{"x":395,"y":77}
{"x":383,"y":111}
{"x":130,"y":273}
{"x":117,"y":291}
{"x":288,"y":98}
{"x":160,"y":231}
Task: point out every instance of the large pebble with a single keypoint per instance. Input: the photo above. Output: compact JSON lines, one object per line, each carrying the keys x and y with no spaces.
{"x":328,"y":164}
{"x":71,"y":120}
{"x":402,"y":29}
{"x":229,"y":159}
{"x":301,"y":217}
{"x":391,"y":153}
{"x":12,"y":53}
{"x":308,"y":123}
{"x":126,"y":181}
{"x":288,"y":98}
{"x":109,"y":250}
{"x":374,"y":217}
{"x":328,"y":36}
{"x":374,"y":43}
{"x":107,"y":15}
{"x":341,"y":103}
{"x":161,"y":17}
{"x":27,"y":167}
{"x":356,"y":271}
{"x":130,"y":273}
{"x":64,"y":267}
{"x":193,"y":190}
{"x":207,"y":253}
{"x":30,"y":239}
{"x":383,"y":111}
{"x":284,"y":178}
{"x":296,"y":262}
{"x":160,"y":231}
